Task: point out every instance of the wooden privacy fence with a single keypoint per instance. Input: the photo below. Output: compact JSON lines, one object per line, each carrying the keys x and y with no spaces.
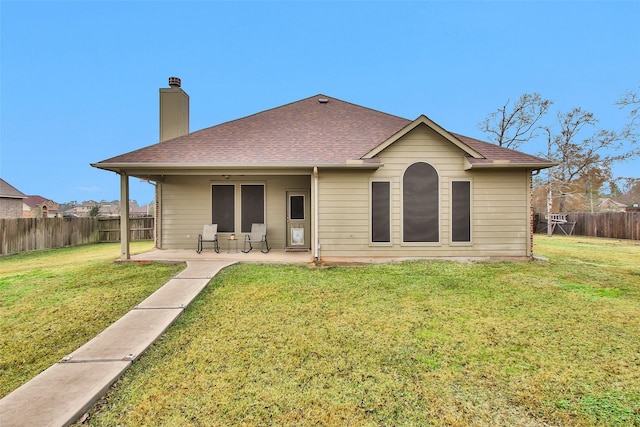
{"x":616,"y":225}
{"x":139,"y":228}
{"x":29,"y":234}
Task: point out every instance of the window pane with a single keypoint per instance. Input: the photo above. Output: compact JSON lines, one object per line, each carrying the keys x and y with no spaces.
{"x":380,"y":208}
{"x":222,"y":207}
{"x":296,"y":206}
{"x":252,"y":209}
{"x":461,"y":211}
{"x":420,"y":204}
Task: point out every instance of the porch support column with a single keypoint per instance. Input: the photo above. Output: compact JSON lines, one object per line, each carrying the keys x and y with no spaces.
{"x":316,"y":240}
{"x":125,"y":252}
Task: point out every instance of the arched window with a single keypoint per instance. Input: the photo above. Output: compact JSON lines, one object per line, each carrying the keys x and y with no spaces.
{"x":420,"y":210}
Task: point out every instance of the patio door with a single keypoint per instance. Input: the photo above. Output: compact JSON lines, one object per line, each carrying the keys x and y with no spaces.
{"x":298,"y":220}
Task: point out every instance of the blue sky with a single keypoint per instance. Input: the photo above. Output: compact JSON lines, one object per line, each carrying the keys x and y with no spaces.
{"x":79,"y":79}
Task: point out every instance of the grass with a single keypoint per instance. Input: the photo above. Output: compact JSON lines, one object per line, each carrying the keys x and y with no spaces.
{"x":411,"y":344}
{"x":53,"y":301}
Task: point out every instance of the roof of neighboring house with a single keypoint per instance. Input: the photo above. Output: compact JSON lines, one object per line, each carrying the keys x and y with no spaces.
{"x":9,"y":191}
{"x":35,"y":201}
{"x":316,"y":131}
{"x":610,"y":202}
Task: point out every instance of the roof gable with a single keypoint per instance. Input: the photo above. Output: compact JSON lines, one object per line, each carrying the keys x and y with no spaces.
{"x":35,"y":201}
{"x":9,"y":191}
{"x":423,"y":120}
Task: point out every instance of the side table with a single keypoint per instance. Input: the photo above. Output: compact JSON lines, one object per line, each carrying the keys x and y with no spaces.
{"x":233,"y":246}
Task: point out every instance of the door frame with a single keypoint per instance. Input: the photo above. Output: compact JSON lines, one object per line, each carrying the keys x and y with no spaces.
{"x":296,"y":223}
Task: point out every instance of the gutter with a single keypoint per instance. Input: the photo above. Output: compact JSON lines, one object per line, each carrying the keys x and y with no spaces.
{"x":502,"y":164}
{"x":178,"y":167}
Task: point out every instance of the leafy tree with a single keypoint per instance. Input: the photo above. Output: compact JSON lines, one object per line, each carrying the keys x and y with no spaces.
{"x":513,"y":125}
{"x":614,"y":189}
{"x":94,"y":211}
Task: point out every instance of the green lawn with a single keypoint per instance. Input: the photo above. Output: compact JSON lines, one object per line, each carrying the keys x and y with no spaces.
{"x":406,"y":344}
{"x":53,"y":301}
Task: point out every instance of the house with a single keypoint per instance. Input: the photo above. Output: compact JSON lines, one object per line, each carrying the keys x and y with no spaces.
{"x":39,"y":207}
{"x":337,"y":179}
{"x":10,"y":200}
{"x":609,"y":205}
{"x":109,"y":210}
{"x":81,"y":210}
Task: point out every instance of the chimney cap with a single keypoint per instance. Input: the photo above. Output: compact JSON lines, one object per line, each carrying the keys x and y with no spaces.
{"x":174,"y":82}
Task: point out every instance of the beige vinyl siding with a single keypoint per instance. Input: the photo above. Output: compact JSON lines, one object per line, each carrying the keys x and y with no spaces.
{"x":186,"y":207}
{"x":500,"y":207}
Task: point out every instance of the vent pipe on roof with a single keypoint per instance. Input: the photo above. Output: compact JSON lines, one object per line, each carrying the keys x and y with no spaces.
{"x":174,"y":110}
{"x":323,"y":100}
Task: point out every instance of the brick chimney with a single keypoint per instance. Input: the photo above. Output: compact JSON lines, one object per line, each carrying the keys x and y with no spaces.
{"x":174,"y":110}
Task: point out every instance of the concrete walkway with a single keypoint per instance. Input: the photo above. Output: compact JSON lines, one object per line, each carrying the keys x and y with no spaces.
{"x":60,"y":395}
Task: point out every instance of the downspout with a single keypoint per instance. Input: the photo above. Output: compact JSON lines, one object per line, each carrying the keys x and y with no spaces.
{"x":316,"y":240}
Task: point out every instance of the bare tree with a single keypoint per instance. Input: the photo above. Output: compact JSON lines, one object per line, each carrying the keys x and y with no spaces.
{"x":632,"y":100}
{"x":512,"y":126}
{"x":584,"y":154}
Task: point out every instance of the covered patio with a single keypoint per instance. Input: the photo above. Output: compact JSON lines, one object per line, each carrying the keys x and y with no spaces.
{"x":275,"y":256}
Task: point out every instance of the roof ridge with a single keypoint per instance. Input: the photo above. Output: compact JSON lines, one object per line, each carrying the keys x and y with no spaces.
{"x":320,"y":95}
{"x":366,"y":108}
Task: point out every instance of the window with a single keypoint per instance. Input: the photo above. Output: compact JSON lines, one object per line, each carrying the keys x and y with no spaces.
{"x":252,"y":209}
{"x":460,"y":211}
{"x":223,"y":207}
{"x":296,"y":207}
{"x":380,"y":211}
{"x":420,"y":205}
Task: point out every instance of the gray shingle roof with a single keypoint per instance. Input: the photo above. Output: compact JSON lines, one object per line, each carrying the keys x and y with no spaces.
{"x":305,"y":132}
{"x":494,"y":154}
{"x":318,"y":130}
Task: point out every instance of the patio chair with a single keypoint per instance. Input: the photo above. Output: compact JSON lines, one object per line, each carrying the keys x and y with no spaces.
{"x":209,"y":235}
{"x":258,"y":235}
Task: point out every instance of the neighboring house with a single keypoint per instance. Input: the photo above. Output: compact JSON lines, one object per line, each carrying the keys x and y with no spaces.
{"x":39,"y":207}
{"x":141,"y":211}
{"x":338,"y":179}
{"x":109,"y":210}
{"x":610,"y":205}
{"x":10,"y":200}
{"x":82,"y":210}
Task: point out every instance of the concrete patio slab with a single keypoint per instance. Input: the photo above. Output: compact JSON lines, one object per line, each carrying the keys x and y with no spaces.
{"x":275,"y":256}
{"x":60,"y":394}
